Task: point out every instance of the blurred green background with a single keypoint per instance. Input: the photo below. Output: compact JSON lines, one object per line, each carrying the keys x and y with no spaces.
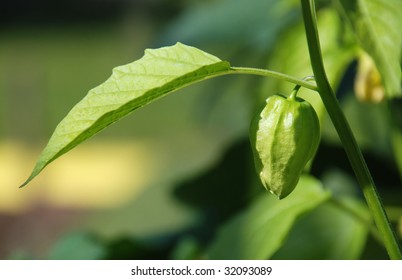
{"x":160,"y":182}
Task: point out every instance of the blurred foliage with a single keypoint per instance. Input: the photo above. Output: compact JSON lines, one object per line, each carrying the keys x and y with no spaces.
{"x":328,"y":233}
{"x":77,"y":246}
{"x":194,"y":179}
{"x":375,"y":24}
{"x":261,"y":229}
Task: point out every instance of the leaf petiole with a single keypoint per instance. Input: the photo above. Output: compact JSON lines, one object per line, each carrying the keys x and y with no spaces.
{"x":273,"y":74}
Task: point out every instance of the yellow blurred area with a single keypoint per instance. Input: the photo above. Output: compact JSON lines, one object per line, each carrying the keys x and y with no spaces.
{"x":102,"y":174}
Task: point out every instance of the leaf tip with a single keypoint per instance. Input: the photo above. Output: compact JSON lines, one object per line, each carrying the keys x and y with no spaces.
{"x":26,"y":182}
{"x":34,"y":173}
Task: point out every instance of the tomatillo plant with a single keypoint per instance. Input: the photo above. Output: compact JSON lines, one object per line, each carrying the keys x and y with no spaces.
{"x":284,"y":135}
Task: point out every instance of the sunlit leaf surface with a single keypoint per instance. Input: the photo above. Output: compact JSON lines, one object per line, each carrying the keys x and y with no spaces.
{"x":131,"y":86}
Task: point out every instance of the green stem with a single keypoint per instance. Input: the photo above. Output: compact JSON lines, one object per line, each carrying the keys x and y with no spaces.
{"x":345,"y":133}
{"x":295,"y":90}
{"x":272,"y":74}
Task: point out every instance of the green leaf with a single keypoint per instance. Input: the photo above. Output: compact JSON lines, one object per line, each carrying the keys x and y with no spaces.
{"x":131,"y":86}
{"x":328,"y":233}
{"x":260,"y":230}
{"x":377,"y":24}
{"x":77,"y":246}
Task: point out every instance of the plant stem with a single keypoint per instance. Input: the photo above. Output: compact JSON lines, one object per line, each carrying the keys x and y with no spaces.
{"x":273,"y":74}
{"x":294,"y":93}
{"x":345,"y":133}
{"x":295,"y":90}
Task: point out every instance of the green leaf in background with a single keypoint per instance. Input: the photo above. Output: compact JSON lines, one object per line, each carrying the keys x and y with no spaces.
{"x":234,"y":23}
{"x":369,"y":123}
{"x":259,"y":231}
{"x":291,"y":57}
{"x":377,"y":25}
{"x":77,"y":246}
{"x":130,"y":87}
{"x":327,"y":233}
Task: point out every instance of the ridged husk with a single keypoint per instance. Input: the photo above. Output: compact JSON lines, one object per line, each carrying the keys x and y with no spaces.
{"x":284,"y":136}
